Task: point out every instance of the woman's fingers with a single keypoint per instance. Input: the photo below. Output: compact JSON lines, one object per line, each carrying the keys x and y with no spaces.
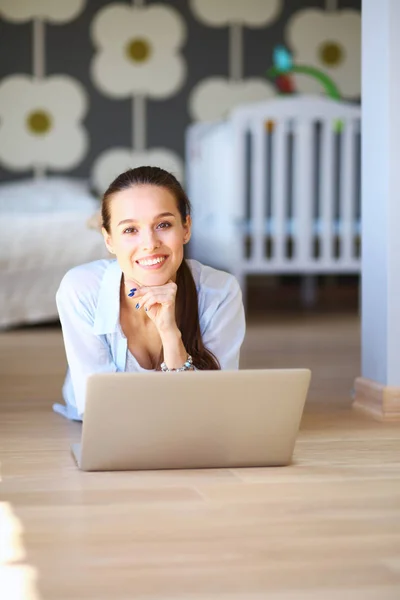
{"x":149,"y":299}
{"x":168,"y":289}
{"x":131,"y":286}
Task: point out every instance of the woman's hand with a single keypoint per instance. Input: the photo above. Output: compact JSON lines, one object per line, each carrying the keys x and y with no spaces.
{"x":159,"y":304}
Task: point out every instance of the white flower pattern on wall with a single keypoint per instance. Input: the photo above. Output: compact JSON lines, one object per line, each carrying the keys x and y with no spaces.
{"x":138,"y":54}
{"x":215,"y":97}
{"x":138,"y":51}
{"x":54,"y":11}
{"x":117,"y":160}
{"x":41,"y":122}
{"x":253,"y":13}
{"x":331,"y":42}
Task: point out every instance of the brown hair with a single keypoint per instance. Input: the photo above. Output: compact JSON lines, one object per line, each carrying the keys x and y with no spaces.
{"x":186,"y":311}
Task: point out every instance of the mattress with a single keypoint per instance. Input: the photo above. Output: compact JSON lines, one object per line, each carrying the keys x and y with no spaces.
{"x":42,"y":236}
{"x":41,"y":241}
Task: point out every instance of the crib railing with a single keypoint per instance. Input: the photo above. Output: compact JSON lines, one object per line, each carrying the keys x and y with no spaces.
{"x":276,"y":188}
{"x":297,"y":176}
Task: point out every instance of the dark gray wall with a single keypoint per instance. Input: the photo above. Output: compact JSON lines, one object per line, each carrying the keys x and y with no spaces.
{"x":70,"y":50}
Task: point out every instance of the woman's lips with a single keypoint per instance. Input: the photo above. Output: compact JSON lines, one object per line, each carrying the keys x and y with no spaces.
{"x":153,"y":267}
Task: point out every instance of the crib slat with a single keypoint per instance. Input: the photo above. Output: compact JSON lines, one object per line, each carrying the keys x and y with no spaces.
{"x":347,"y":188}
{"x":326,"y":191}
{"x":238,"y":191}
{"x":258,"y":190}
{"x":279,"y":187}
{"x":303,"y":191}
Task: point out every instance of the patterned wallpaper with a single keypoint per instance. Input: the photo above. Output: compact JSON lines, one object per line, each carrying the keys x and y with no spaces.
{"x":91,"y":87}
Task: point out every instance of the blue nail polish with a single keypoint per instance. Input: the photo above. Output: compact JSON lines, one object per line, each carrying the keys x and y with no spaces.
{"x":145,"y":309}
{"x":132,"y":292}
{"x":137,"y":305}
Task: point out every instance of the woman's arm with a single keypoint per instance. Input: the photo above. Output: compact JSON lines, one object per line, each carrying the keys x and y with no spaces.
{"x":86,"y":352}
{"x":159,"y":305}
{"x":175,"y":353}
{"x":223,"y":325}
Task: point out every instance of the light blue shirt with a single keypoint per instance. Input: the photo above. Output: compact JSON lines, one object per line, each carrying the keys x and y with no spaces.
{"x":88,"y":302}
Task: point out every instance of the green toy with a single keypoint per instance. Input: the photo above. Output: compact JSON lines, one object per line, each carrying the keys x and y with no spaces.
{"x":284,"y":67}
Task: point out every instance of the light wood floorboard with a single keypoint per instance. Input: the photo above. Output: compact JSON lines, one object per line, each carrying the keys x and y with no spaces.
{"x":325,"y":528}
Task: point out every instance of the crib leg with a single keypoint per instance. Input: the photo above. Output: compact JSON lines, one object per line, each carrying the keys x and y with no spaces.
{"x":308,"y":291}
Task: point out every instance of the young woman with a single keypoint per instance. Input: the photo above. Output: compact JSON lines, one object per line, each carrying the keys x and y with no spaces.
{"x":148,"y":309}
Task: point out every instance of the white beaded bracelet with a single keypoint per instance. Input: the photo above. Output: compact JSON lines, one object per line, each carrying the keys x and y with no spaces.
{"x":186,"y":367}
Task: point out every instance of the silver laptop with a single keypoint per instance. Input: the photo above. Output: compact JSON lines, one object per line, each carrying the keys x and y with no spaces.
{"x":191,"y":420}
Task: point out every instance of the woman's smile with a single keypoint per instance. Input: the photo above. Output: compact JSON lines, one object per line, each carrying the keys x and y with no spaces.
{"x":157,"y":261}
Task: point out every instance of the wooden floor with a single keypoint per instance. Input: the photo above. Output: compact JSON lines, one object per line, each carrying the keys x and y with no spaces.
{"x":325,"y":528}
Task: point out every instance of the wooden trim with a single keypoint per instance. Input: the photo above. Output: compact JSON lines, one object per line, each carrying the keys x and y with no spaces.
{"x":377,"y":400}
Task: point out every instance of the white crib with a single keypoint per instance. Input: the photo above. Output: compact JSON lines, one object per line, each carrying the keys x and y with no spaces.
{"x":276,"y":188}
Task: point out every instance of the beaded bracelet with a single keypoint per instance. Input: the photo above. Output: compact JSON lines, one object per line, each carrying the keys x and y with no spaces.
{"x":186,"y":367}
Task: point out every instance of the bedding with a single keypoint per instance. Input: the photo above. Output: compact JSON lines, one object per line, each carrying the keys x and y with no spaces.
{"x":44,"y":232}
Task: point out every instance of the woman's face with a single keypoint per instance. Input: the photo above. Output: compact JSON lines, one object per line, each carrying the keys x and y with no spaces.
{"x":147,"y":234}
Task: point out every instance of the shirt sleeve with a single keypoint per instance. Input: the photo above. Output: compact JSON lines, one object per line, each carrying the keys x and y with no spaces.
{"x":86,"y":352}
{"x":224,"y":325}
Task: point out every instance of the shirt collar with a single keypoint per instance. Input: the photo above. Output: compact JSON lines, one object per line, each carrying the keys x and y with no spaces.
{"x":106,"y":318}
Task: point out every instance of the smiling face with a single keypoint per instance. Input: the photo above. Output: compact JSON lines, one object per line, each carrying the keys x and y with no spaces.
{"x":147,"y":234}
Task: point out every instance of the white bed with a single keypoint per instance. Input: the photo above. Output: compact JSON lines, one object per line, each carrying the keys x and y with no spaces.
{"x":43,"y":232}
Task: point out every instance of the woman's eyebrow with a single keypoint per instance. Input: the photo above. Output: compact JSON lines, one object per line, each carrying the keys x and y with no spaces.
{"x":164,"y":214}
{"x":161,"y":215}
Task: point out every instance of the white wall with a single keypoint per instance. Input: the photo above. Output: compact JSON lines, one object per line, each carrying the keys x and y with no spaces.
{"x":381,"y":191}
